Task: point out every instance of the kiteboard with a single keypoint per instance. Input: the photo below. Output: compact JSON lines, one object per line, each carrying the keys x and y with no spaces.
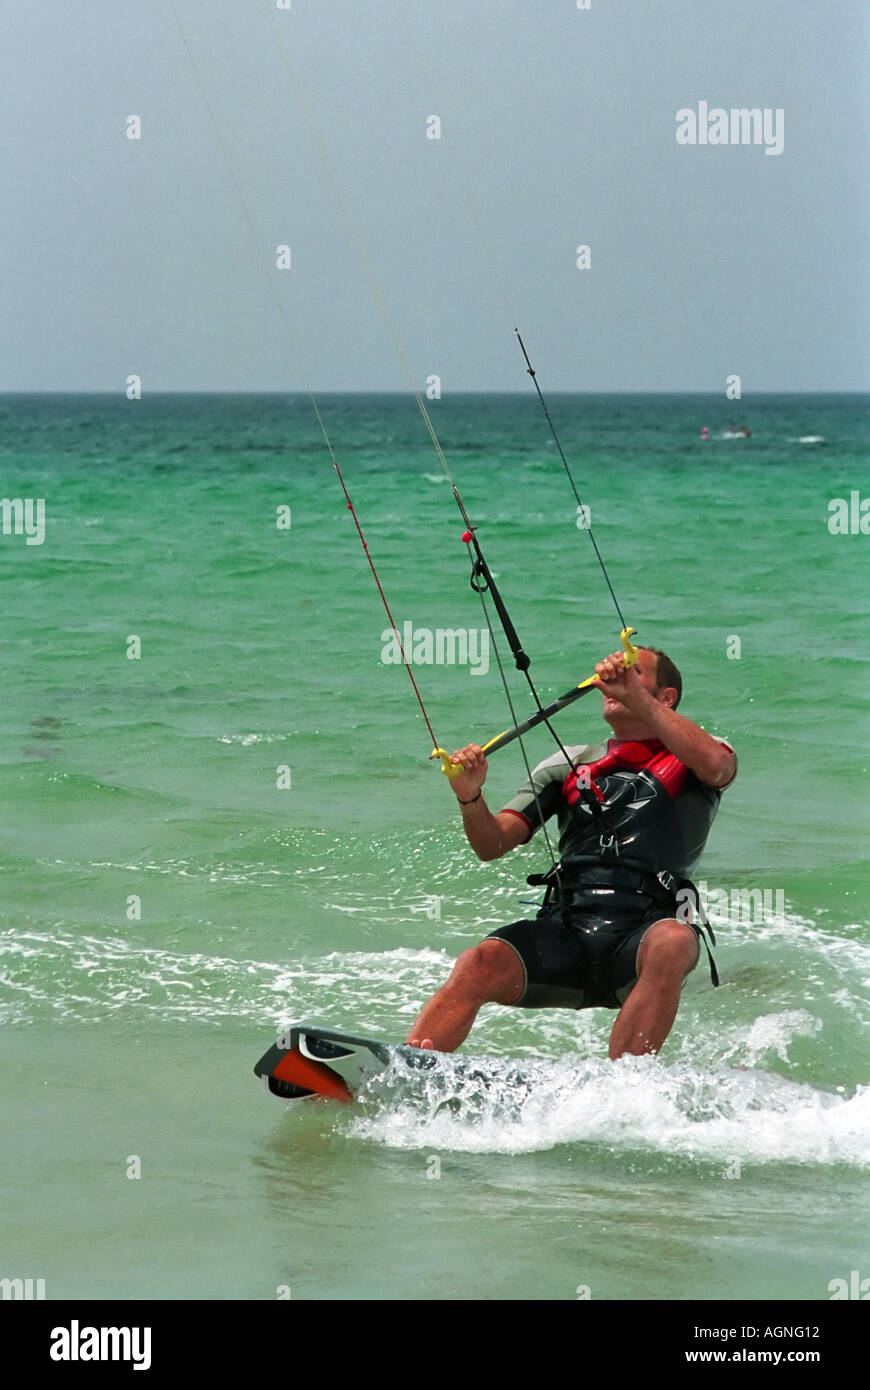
{"x":308,"y":1061}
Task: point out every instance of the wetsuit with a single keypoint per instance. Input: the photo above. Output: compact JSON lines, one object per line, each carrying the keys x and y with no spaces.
{"x":633,"y":821}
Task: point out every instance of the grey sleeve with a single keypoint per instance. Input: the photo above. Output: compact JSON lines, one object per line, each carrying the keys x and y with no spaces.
{"x":544,"y":789}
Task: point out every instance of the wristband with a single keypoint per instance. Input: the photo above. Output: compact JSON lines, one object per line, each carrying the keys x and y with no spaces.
{"x":470,"y":800}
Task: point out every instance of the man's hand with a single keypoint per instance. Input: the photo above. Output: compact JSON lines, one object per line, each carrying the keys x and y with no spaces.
{"x":489,"y":836}
{"x":650,"y":714}
{"x":468,"y":783}
{"x":618,"y":683}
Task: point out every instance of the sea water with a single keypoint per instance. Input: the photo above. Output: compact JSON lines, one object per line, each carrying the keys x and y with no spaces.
{"x":220,"y":817}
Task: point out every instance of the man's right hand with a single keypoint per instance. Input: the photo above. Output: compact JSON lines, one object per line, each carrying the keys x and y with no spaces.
{"x":468,"y":783}
{"x":489,"y":836}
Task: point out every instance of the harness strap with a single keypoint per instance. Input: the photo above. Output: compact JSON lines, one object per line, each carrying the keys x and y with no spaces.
{"x":673,"y":885}
{"x":635,"y":877}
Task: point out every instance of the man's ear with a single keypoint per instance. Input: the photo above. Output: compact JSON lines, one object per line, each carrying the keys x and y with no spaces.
{"x":669,"y":691}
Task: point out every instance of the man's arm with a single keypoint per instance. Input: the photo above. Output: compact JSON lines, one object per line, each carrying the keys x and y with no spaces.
{"x":489,"y":836}
{"x":710,"y":761}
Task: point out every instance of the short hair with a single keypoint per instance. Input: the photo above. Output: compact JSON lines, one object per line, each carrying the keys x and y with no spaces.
{"x":667,"y":674}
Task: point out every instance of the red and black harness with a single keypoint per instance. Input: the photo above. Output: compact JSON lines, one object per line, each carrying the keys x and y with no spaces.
{"x":564,"y":881}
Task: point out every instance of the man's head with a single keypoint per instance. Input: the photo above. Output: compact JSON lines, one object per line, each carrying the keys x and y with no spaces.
{"x":661,"y":678}
{"x":667,"y":678}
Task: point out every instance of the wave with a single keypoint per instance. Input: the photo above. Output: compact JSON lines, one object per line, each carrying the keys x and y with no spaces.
{"x":76,"y":977}
{"x":722,"y":1115}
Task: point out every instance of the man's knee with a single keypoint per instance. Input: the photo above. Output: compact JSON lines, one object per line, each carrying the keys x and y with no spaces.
{"x":491,"y":972}
{"x":669,"y":948}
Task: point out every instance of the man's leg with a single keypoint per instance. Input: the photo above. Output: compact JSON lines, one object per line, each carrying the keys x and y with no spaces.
{"x":668,"y":951}
{"x":489,"y":973}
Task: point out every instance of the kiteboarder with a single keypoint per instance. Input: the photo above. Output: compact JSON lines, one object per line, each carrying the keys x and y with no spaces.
{"x":617,"y":929}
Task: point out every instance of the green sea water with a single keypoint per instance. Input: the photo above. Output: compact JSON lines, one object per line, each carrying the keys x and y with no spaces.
{"x":167,"y":906}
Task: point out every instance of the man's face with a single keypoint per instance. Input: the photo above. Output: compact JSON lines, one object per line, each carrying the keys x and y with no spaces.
{"x":646,"y":670}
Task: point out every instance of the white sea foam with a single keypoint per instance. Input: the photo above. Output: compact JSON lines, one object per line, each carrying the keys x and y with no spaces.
{"x":87,"y":978}
{"x":557,"y":1088}
{"x":723,"y":1115}
{"x":247,"y":739}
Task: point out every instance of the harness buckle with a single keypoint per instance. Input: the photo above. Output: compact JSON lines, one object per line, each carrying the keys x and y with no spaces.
{"x":669,"y":881}
{"x":550,"y":881}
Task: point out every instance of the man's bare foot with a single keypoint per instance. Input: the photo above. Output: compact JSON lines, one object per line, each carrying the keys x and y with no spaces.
{"x":415,"y":1042}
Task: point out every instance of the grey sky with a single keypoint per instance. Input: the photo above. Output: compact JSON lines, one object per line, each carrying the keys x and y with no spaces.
{"x":128,"y":256}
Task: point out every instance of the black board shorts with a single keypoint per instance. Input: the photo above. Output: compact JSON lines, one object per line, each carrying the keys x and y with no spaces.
{"x":584,"y":959}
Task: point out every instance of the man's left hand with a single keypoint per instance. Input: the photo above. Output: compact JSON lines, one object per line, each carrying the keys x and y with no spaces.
{"x":618,"y":683}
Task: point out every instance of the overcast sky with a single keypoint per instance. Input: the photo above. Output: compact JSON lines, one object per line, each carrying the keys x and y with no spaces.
{"x":125,"y":256}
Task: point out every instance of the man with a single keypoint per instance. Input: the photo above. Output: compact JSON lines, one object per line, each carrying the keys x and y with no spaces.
{"x":634,"y":816}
